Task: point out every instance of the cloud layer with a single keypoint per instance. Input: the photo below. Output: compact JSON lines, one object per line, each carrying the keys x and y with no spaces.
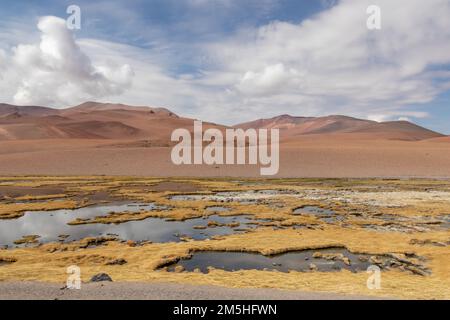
{"x":333,"y":62}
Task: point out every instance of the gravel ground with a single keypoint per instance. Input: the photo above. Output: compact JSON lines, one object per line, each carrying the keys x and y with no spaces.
{"x":153,"y":291}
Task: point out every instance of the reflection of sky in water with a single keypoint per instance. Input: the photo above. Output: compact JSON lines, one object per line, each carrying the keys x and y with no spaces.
{"x":300,"y":261}
{"x":50,"y":224}
{"x":314,"y":211}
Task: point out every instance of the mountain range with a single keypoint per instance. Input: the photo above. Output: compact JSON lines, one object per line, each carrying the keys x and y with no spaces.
{"x":92,"y":120}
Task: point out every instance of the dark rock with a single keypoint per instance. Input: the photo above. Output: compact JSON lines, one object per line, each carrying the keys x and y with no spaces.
{"x":101,"y":277}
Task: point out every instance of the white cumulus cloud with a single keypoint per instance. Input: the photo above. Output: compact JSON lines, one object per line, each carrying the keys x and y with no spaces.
{"x":272,"y":79}
{"x":56,"y":72}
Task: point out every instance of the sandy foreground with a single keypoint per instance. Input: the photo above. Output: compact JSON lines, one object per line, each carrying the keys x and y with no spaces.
{"x":322,"y":158}
{"x":155,"y":291}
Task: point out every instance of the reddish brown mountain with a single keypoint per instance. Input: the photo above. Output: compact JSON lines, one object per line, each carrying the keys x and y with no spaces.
{"x":90,"y":120}
{"x":291,"y":127}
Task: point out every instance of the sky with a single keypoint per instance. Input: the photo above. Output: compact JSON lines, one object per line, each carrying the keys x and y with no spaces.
{"x":231,"y":61}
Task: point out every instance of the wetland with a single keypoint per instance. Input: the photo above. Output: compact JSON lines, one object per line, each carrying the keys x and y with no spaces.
{"x":300,"y":234}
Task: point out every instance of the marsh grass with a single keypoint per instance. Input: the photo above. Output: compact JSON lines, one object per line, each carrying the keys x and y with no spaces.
{"x":359,"y":202}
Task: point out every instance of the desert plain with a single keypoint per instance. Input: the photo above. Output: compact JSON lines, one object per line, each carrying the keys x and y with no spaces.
{"x":113,"y":139}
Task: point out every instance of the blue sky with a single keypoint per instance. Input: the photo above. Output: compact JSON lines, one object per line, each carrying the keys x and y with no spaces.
{"x":230,"y":61}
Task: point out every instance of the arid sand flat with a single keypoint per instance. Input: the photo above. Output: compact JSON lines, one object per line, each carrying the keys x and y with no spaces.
{"x":322,"y":158}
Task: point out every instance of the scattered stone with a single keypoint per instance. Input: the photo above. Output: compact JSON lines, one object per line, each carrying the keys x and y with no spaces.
{"x":101,"y":277}
{"x":313,"y":267}
{"x":276,"y":264}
